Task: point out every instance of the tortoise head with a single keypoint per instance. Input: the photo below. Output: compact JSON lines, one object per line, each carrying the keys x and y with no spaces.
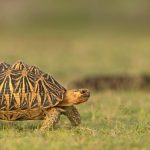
{"x":75,"y":96}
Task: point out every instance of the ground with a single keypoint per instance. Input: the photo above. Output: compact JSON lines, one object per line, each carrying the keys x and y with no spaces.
{"x":111,"y":120}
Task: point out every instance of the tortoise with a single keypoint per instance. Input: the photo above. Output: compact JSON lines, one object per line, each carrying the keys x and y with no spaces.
{"x":27,"y":93}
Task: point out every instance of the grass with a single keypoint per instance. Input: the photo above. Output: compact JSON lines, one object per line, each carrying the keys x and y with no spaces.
{"x":110,"y":120}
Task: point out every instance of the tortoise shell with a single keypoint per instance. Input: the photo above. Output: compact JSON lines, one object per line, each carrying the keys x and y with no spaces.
{"x":24,"y":87}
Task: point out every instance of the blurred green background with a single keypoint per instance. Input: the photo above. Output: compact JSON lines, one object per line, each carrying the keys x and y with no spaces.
{"x":72,"y":39}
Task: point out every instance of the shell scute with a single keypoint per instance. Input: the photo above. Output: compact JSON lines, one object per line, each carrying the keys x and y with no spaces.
{"x":3,"y":66}
{"x":19,"y":65}
{"x":35,"y":70}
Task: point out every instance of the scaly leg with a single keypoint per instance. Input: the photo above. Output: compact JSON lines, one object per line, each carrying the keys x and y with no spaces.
{"x":51,"y":118}
{"x":72,"y":114}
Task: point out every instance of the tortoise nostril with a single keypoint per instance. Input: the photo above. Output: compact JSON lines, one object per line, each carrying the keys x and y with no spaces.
{"x":84,"y":91}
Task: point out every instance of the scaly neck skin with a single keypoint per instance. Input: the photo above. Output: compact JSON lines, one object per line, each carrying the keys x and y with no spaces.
{"x":74,"y":97}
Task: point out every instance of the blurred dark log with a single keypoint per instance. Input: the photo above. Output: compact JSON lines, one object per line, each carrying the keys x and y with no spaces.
{"x":113,"y":82}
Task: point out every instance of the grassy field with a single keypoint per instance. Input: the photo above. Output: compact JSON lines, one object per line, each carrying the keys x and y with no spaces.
{"x":111,"y":120}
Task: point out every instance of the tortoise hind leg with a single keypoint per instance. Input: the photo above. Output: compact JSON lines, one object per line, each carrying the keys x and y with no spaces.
{"x":51,"y":118}
{"x":73,"y":115}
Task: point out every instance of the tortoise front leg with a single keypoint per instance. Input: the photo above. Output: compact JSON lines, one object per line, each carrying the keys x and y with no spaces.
{"x":52,"y":116}
{"x":73,"y":115}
